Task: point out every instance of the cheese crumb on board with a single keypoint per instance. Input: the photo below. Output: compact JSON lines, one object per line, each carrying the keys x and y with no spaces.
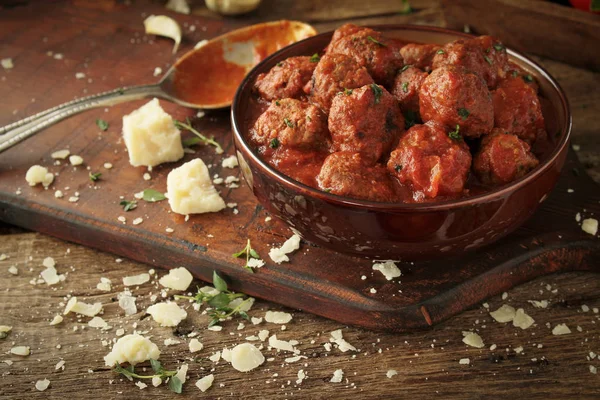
{"x":7,"y":63}
{"x":464,"y":361}
{"x":20,"y":351}
{"x":279,"y":255}
{"x":75,"y":160}
{"x":205,"y":383}
{"x":13,"y":270}
{"x":167,"y":314}
{"x":104,"y":285}
{"x":278,"y":317}
{"x":505,"y":313}
{"x":4,"y":331}
{"x":281,"y":344}
{"x":539,"y":304}
{"x":127,"y":303}
{"x":230,"y":162}
{"x":590,"y":225}
{"x":177,"y":279}
{"x":522,"y":320}
{"x":561,"y":329}
{"x":49,"y":275}
{"x":391,"y":373}
{"x":141,"y":385}
{"x":182,"y":373}
{"x":42,"y":384}
{"x":133,"y":349}
{"x":338,"y":375}
{"x":136,"y":279}
{"x":246,"y":357}
{"x":343,"y":345}
{"x":38,"y":174}
{"x":98,"y":322}
{"x":191,"y":191}
{"x":156,"y":381}
{"x":163,"y":26}
{"x":60,"y":154}
{"x":388,"y":269}
{"x":56,"y":320}
{"x":473,"y":339}
{"x":151,"y":137}
{"x":195,"y":345}
{"x":78,"y":307}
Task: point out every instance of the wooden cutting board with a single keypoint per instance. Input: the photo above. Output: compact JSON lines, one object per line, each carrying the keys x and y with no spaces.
{"x":116,"y":53}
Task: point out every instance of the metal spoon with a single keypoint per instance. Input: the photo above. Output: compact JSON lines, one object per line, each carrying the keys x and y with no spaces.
{"x":206,"y":77}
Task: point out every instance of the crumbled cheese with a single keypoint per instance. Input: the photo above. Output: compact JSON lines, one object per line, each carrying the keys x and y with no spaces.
{"x":226,"y":355}
{"x":42,"y":385}
{"x":73,"y":199}
{"x":60,"y":365}
{"x":522,"y":320}
{"x":301,"y":376}
{"x":473,"y":339}
{"x":343,"y":345}
{"x":141,"y":385}
{"x":136,"y":279}
{"x":179,"y":6}
{"x":294,"y":359}
{"x":4,"y":257}
{"x":256,"y":321}
{"x":151,"y":136}
{"x":593,"y":370}
{"x":89,"y":310}
{"x":157,"y":71}
{"x":215,"y":328}
{"x":190,"y":190}
{"x":58,"y":194}
{"x":195,"y":345}
{"x":182,"y":373}
{"x":108,"y":165}
{"x":246,"y":357}
{"x":98,"y":322}
{"x":104,"y":285}
{"x":505,"y":313}
{"x":79,"y":75}
{"x":590,"y":225}
{"x":13,"y":270}
{"x":391,"y":373}
{"x":133,"y":349}
{"x":38,"y":174}
{"x":49,"y":275}
{"x":561,"y":329}
{"x":20,"y":351}
{"x":388,"y":269}
{"x":177,"y":279}
{"x":7,"y":63}
{"x":156,"y":381}
{"x":215,"y":357}
{"x":585,"y":308}
{"x":147,"y":176}
{"x":75,"y":160}
{"x":163,"y":26}
{"x":137,"y":221}
{"x":279,"y":255}
{"x":230,"y":162}
{"x":263,"y":335}
{"x":60,"y":154}
{"x":278,"y":317}
{"x":244,"y":305}
{"x":167,"y":314}
{"x":255,"y":263}
{"x":205,"y":383}
{"x":127,"y":303}
{"x":338,"y":375}
{"x":4,"y":331}
{"x":464,"y":361}
{"x":56,"y":320}
{"x":281,"y":344}
{"x":519,"y":349}
{"x":539,"y":304}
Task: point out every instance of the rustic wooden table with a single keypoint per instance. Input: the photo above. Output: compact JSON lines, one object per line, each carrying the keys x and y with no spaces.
{"x":514,"y":363}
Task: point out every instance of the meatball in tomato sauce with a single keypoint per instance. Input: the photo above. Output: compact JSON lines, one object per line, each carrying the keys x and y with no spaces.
{"x":336,"y":73}
{"x":366,"y":121}
{"x":431,"y":162}
{"x":286,"y":79}
{"x":517,"y":110}
{"x":349,"y":174}
{"x":502,"y":158}
{"x":406,"y":88}
{"x":419,"y":55}
{"x":291,"y":123}
{"x":457,"y":97}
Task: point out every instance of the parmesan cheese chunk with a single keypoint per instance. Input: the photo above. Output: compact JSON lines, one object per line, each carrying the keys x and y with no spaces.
{"x":4,"y":331}
{"x":42,"y":384}
{"x":191,"y":191}
{"x":505,"y":313}
{"x":246,"y":357}
{"x":98,"y":322}
{"x":343,"y":345}
{"x":89,"y":310}
{"x":136,"y":279}
{"x":20,"y":351}
{"x":279,"y":255}
{"x":464,"y":361}
{"x":205,"y":383}
{"x":561,"y":329}
{"x":133,"y":349}
{"x":281,"y":344}
{"x":38,"y":174}
{"x":182,"y":373}
{"x":60,"y":154}
{"x":104,"y":285}
{"x":522,"y":320}
{"x":151,"y":136}
{"x":56,"y":320}
{"x":391,"y":373}
{"x":167,"y":314}
{"x":388,"y":269}
{"x":177,"y":279}
{"x":230,"y":162}
{"x":195,"y":345}
{"x":590,"y":225}
{"x":278,"y":317}
{"x":338,"y":375}
{"x":473,"y":339}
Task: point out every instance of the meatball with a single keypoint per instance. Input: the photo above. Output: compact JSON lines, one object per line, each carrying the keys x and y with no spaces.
{"x":347,"y":174}
{"x":517,"y":110}
{"x":431,"y":162}
{"x":419,"y":55}
{"x":300,"y":165}
{"x":495,"y":54}
{"x":291,"y":123}
{"x":371,"y":49}
{"x":286,"y":79}
{"x":471,"y":55}
{"x":456,"y":98}
{"x":334,"y":74}
{"x":406,"y":88}
{"x":342,"y":31}
{"x":365,"y":120}
{"x":502,"y":158}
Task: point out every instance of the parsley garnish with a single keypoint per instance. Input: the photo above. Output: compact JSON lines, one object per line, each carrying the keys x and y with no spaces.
{"x":308,"y":118}
{"x":153,"y":196}
{"x":95,"y":176}
{"x":220,"y":302}
{"x":463,"y":113}
{"x":372,"y":39}
{"x":128,"y":205}
{"x":528,"y":78}
{"x":455,"y":135}
{"x":406,"y":8}
{"x":407,"y":66}
{"x":377,"y":92}
{"x":315,"y":58}
{"x":188,"y":126}
{"x":398,"y":167}
{"x":348,"y":92}
{"x":487,"y":59}
{"x":280,"y":64}
{"x":515,"y":74}
{"x":440,"y":51}
{"x":405,"y":87}
{"x":175,"y":384}
{"x":191,"y":141}
{"x":288,"y":122}
{"x":499,"y":47}
{"x":249,"y":252}
{"x":274,"y":143}
{"x":277,"y":103}
{"x":328,"y":190}
{"x":102,"y":124}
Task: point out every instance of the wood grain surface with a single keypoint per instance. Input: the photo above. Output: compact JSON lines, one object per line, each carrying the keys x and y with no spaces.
{"x":560,"y":368}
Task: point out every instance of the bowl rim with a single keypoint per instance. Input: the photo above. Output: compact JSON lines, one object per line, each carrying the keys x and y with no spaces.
{"x":485,"y":197}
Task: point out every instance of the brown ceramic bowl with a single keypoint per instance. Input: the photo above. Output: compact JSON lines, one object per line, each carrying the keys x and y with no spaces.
{"x":397,"y":230}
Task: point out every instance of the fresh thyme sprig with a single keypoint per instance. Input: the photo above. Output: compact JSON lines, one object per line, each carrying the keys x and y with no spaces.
{"x":209,"y":141}
{"x":249,"y":252}
{"x":174,"y":384}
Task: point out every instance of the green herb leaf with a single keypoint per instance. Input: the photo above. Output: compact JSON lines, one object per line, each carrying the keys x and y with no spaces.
{"x":514,"y":74}
{"x":152,"y":195}
{"x":463,"y":113}
{"x":274,"y":143}
{"x":377,"y":92}
{"x":487,"y":59}
{"x":455,"y":135}
{"x":191,"y":141}
{"x":595,"y":5}
{"x":499,"y":47}
{"x":253,"y":253}
{"x":315,"y":58}
{"x":102,"y":124}
{"x":372,"y":39}
{"x":280,"y":64}
{"x":277,"y":103}
{"x":348,"y":92}
{"x":201,"y":137}
{"x":213,"y":322}
{"x":219,"y":301}
{"x":398,"y":167}
{"x":219,"y":283}
{"x":244,"y":315}
{"x":128,"y":205}
{"x":405,"y":87}
{"x":528,"y":78}
{"x":407,"y":66}
{"x":95,"y":176}
{"x":288,"y":122}
{"x":156,"y":366}
{"x":328,"y":190}
{"x":410,"y":119}
{"x":175,"y":385}
{"x":440,"y":51}
{"x":406,"y":8}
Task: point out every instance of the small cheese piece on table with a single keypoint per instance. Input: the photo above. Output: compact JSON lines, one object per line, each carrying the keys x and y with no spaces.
{"x":191,"y":191}
{"x":151,"y":136}
{"x":167,"y":314}
{"x":177,"y":279}
{"x":38,"y":174}
{"x":133,"y":349}
{"x":245,"y":357}
{"x":205,"y":383}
